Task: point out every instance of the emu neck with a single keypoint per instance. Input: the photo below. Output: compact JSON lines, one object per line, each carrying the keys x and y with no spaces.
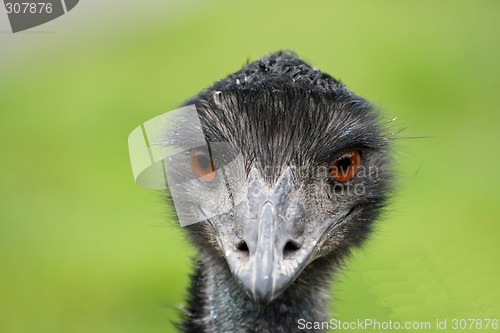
{"x":218,"y":304}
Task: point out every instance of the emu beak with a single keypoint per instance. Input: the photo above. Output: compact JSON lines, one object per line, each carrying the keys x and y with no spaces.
{"x":263,"y":258}
{"x":270,"y":255}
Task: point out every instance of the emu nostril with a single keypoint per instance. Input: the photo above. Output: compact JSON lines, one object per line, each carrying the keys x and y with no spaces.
{"x":290,"y":248}
{"x":242,"y":246}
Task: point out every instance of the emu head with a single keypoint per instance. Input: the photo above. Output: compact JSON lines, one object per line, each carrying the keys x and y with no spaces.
{"x":295,"y":168}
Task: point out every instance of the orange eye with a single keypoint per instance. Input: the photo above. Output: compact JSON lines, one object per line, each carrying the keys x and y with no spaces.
{"x":201,"y":164}
{"x":346,"y":166}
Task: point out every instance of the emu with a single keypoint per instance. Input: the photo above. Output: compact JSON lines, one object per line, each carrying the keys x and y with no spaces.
{"x":315,"y":173}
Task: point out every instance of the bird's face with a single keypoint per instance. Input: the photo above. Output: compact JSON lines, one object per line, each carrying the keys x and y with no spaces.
{"x":283,"y":181}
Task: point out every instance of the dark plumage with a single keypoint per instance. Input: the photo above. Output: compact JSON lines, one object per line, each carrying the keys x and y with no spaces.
{"x":268,"y":262}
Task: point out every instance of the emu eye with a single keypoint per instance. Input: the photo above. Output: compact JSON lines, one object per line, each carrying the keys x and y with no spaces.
{"x":201,"y":164}
{"x":346,"y":166}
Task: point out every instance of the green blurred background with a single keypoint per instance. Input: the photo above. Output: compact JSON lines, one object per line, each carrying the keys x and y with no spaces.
{"x":83,"y":249}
